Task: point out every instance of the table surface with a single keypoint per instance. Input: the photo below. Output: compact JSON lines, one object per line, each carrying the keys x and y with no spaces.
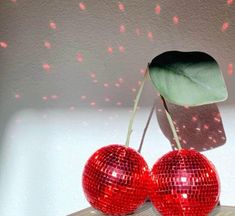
{"x":148,"y":210}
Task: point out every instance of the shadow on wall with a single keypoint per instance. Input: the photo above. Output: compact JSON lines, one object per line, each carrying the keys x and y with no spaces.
{"x":200,"y":128}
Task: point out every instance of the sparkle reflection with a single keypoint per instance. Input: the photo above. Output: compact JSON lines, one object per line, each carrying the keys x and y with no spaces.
{"x":82,"y":6}
{"x":121,"y":6}
{"x":122,"y":28}
{"x":224,"y":26}
{"x":46,"y":67}
{"x":3,"y":44}
{"x":230,"y":69}
{"x":176,"y":20}
{"x":47,"y":44}
{"x":157,"y":9}
{"x":52,"y":25}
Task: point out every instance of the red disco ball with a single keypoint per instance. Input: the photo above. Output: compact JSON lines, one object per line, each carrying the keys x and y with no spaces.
{"x":115,"y":180}
{"x":184,"y":183}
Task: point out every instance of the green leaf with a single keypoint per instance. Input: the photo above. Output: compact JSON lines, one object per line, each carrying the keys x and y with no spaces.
{"x":188,"y":78}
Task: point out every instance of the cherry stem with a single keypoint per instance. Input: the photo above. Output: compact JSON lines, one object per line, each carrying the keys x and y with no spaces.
{"x":135,"y":108}
{"x":172,"y":126}
{"x":147,"y":125}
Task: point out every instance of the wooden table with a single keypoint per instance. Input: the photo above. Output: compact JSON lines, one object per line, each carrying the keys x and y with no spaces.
{"x":148,"y":210}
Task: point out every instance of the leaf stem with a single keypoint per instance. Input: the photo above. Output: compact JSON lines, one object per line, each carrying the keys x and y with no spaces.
{"x":147,"y":125}
{"x":135,"y":108}
{"x":175,"y":135}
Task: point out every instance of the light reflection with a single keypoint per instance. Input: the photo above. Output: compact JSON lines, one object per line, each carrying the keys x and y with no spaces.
{"x":17,"y":96}
{"x":122,"y":28}
{"x":121,"y":48}
{"x":46,"y":67}
{"x":110,"y":50}
{"x":121,"y":6}
{"x":137,"y":31}
{"x":82,"y":6}
{"x":3,"y":44}
{"x":53,"y":25}
{"x":79,"y":57}
{"x":47,"y":44}
{"x":114,"y":174}
{"x":176,"y":20}
{"x":157,"y":9}
{"x":224,"y":26}
{"x":106,"y":85}
{"x":150,"y":36}
{"x":229,"y":2}
{"x":230,"y":69}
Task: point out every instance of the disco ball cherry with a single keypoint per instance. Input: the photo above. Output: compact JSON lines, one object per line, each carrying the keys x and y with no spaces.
{"x":115,"y":180}
{"x":184,"y":183}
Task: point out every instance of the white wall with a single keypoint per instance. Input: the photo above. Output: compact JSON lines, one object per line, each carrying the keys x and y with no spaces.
{"x":45,"y":151}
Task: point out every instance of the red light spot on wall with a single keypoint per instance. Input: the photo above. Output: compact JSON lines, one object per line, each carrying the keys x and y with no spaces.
{"x":133,"y":89}
{"x":119,"y":103}
{"x":93,"y":75}
{"x":121,"y":48}
{"x":121,"y":6}
{"x":176,"y":20}
{"x":117,"y":85}
{"x":224,"y":26}
{"x":107,"y":99}
{"x":106,"y":85}
{"x":120,"y":80}
{"x":14,"y":1}
{"x":157,"y":9}
{"x":79,"y":57}
{"x":52,"y":25}
{"x":17,"y":96}
{"x":110,"y":50}
{"x":137,"y":31}
{"x":46,"y":67}
{"x":229,"y":2}
{"x":142,"y":71}
{"x":230,"y":69}
{"x":44,"y":98}
{"x":122,"y":28}
{"x":47,"y":44}
{"x":82,"y":6}
{"x":3,"y":44}
{"x":150,"y":36}
{"x":54,"y":97}
{"x":83,"y":97}
{"x":93,"y":104}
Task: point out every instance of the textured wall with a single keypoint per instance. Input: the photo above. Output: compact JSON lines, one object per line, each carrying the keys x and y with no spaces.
{"x":64,"y":64}
{"x":94,"y":52}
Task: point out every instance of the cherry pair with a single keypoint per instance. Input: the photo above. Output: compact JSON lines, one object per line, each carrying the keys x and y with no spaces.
{"x":117,"y":180}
